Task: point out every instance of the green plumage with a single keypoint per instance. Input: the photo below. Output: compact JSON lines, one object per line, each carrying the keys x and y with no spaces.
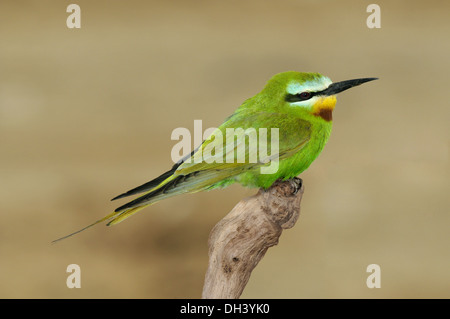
{"x":302,"y":137}
{"x":298,"y":104}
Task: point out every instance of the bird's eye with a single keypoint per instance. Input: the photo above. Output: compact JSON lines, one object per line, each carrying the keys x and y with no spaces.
{"x":304,"y":95}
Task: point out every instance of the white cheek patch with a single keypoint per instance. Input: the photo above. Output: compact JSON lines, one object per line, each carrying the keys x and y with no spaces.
{"x":306,"y":104}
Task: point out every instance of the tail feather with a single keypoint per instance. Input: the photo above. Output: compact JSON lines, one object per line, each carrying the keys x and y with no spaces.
{"x":170,"y":186}
{"x":147,"y":186}
{"x":124,"y":215}
{"x":157,"y":181}
{"x":107,"y":217}
{"x":175,"y":185}
{"x":151,"y":195}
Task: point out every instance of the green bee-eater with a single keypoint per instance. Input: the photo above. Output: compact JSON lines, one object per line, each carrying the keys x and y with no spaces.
{"x":299,"y":105}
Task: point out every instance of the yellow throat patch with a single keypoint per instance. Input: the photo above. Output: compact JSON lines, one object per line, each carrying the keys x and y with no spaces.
{"x":324,"y":107}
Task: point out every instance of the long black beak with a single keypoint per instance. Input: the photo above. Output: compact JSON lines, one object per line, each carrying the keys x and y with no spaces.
{"x":338,"y":87}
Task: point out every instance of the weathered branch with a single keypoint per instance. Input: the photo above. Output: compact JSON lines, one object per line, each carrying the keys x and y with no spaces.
{"x":239,"y":241}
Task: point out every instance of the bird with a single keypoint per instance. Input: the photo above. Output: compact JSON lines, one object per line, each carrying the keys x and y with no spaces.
{"x":298,"y":105}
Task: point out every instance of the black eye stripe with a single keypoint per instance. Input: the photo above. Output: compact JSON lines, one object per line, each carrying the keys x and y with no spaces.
{"x":302,"y":96}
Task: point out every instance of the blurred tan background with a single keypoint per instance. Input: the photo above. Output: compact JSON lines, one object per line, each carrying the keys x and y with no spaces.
{"x":87,"y":114}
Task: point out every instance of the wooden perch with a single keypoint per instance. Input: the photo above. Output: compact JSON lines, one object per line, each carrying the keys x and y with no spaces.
{"x":239,"y":241}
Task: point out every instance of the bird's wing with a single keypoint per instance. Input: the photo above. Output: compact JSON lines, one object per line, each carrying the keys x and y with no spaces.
{"x":202,"y":169}
{"x":219,"y":152}
{"x":293,"y":134}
